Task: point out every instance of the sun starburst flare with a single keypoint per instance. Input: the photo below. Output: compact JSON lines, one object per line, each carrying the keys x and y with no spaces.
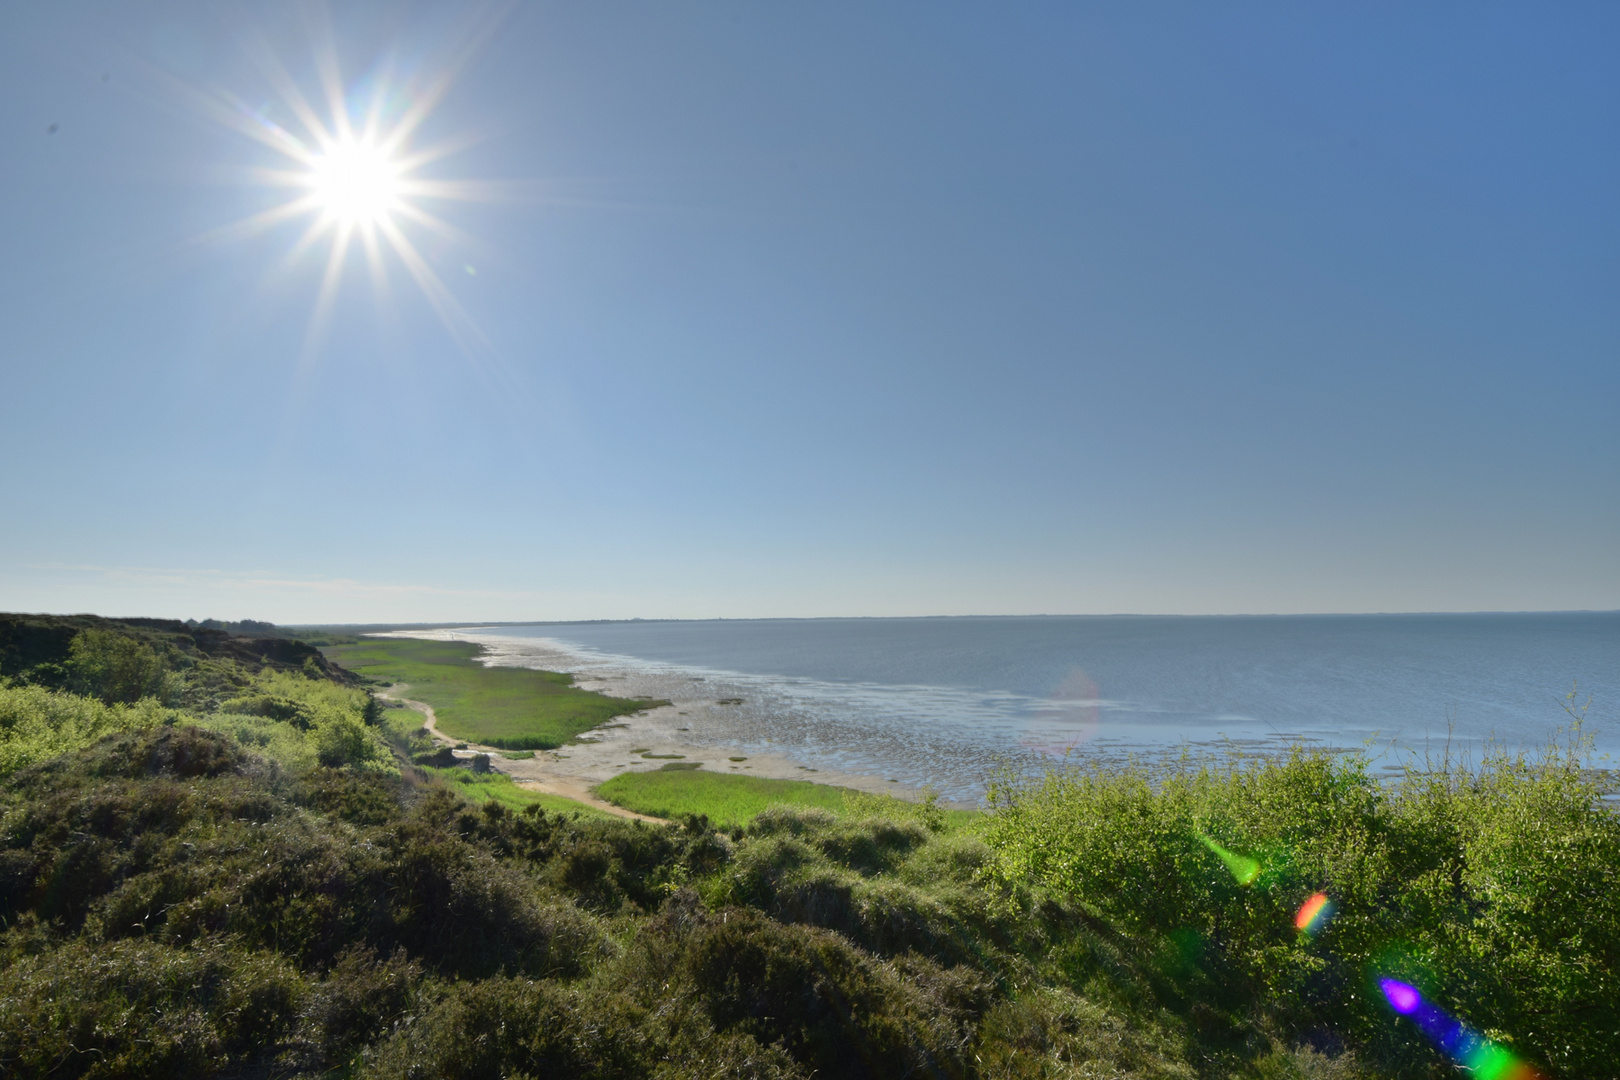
{"x":352,"y":171}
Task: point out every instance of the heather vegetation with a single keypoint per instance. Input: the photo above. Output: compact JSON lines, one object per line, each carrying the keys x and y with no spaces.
{"x":243,"y":874}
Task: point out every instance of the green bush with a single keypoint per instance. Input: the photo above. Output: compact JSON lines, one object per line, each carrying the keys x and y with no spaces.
{"x":118,"y":668}
{"x":1495,"y":890}
{"x":140,"y":1009}
{"x":189,"y":842}
{"x":843,"y":1013}
{"x":358,"y":1002}
{"x":1052,"y":1033}
{"x":37,"y":724}
{"x":302,"y":722}
{"x":517,"y":1027}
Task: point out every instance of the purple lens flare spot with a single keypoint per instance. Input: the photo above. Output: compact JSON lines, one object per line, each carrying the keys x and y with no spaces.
{"x":1403,"y":998}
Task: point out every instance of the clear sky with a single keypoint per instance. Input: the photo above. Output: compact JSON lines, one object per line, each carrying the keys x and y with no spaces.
{"x":818,"y":309}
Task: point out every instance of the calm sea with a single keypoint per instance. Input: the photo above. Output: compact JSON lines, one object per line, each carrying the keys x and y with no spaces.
{"x":940,"y":700}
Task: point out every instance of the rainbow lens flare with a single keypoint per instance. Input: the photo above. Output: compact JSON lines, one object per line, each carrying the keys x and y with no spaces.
{"x":1314,"y":913}
{"x":1242,"y":867}
{"x":1473,"y":1051}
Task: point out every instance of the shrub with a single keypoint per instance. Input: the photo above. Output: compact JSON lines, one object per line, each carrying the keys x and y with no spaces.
{"x":118,"y":668}
{"x":517,"y":1027}
{"x":138,"y":1009}
{"x":1493,"y":889}
{"x":343,"y":739}
{"x":454,"y":906}
{"x":358,"y":798}
{"x":37,"y":724}
{"x":1055,"y":1033}
{"x":302,"y":722}
{"x":840,"y":1012}
{"x":358,"y":1002}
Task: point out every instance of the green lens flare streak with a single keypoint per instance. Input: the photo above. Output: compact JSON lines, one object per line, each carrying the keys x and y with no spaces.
{"x":1243,"y":868}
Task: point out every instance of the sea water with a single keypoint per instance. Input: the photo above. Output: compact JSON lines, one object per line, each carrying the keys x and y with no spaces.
{"x":943,"y":701}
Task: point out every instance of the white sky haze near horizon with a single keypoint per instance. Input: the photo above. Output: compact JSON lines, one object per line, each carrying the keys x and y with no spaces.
{"x":841,"y":309}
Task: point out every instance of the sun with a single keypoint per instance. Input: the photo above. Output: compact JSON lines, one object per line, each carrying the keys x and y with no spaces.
{"x":348,"y":161}
{"x":356,"y":183}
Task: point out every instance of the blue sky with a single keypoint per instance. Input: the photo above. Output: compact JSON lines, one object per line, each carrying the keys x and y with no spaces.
{"x":832,"y":309}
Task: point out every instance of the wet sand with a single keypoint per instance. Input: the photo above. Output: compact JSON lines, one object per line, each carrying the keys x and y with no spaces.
{"x":641,"y":742}
{"x":718,"y":715}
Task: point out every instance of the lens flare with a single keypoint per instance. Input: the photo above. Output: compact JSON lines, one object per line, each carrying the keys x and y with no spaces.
{"x":354,"y":171}
{"x":1243,"y":868}
{"x":1068,"y":718}
{"x":1314,"y":914}
{"x":1403,"y":997}
{"x":1462,"y":1044}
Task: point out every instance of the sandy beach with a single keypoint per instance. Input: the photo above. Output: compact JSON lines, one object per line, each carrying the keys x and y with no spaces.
{"x":641,"y":742}
{"x":856,"y":735}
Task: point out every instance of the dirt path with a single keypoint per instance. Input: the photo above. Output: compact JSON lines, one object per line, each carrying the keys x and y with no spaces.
{"x":566,"y":788}
{"x":430,"y":721}
{"x":581,"y":794}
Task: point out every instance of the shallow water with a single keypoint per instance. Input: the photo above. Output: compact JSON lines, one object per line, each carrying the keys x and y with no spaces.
{"x":942,"y":701}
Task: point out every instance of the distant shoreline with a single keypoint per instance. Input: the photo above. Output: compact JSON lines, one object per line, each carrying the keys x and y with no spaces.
{"x":474,"y":625}
{"x":946,"y":702}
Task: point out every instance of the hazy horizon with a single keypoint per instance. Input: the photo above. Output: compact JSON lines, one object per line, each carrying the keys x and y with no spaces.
{"x":451,"y":624}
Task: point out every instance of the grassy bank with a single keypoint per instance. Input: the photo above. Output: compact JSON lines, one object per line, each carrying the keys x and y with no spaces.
{"x":479,"y":788}
{"x":510,"y":708}
{"x":730,"y":801}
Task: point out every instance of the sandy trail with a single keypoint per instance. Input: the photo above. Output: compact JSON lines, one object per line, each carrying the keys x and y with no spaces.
{"x":429,"y":719}
{"x":551,"y":785}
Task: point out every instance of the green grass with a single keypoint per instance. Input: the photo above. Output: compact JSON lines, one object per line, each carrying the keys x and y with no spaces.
{"x":728,"y":801}
{"x":507,"y":708}
{"x":497,"y":787}
{"x":731,"y":801}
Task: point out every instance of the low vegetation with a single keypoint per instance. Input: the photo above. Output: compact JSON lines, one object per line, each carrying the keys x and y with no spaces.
{"x":482,"y":787}
{"x":245,"y":886}
{"x":1495,"y":889}
{"x":728,"y":801}
{"x":731,"y":801}
{"x":507,"y":708}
